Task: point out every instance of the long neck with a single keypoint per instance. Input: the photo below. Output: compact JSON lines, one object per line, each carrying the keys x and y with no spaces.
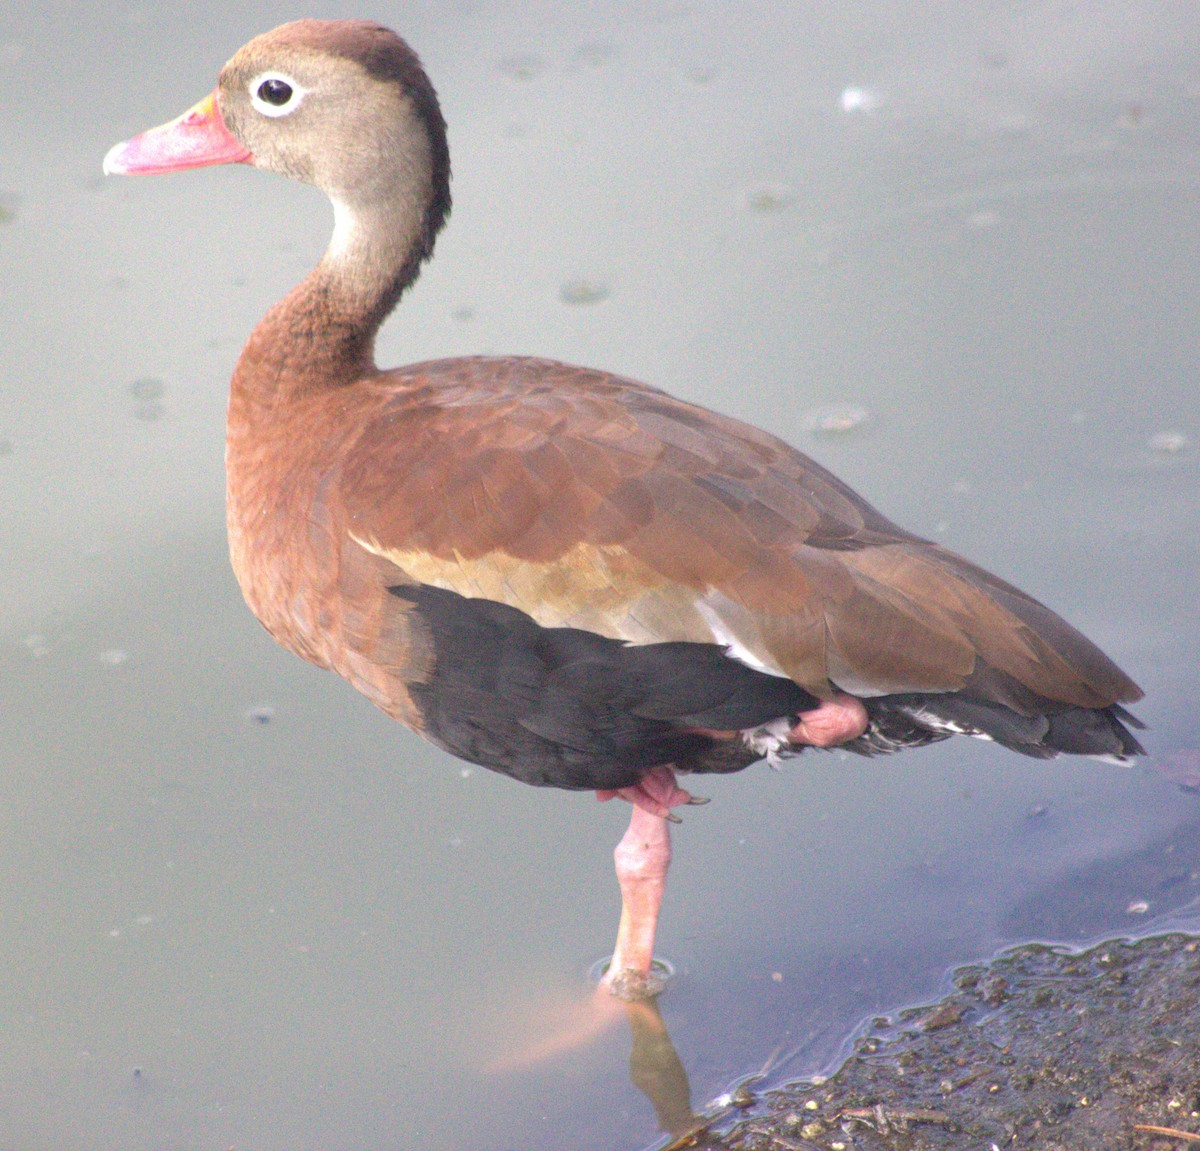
{"x":321,"y":335}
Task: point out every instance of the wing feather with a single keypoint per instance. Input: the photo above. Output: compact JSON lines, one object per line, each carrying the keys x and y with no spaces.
{"x":590,"y":501}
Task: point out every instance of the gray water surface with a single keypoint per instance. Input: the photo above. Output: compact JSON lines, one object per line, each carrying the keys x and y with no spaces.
{"x":240,"y":908}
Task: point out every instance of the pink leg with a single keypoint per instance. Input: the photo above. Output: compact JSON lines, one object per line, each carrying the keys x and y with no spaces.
{"x":642,"y":858}
{"x":644,"y":853}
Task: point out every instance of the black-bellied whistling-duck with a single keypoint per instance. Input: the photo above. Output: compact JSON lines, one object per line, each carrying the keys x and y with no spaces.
{"x":566,"y":576}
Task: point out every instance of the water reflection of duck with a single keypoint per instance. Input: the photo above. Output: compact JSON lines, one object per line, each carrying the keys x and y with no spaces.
{"x":569,"y":577}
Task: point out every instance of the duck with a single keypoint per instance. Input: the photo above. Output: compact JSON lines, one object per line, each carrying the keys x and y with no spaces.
{"x":567,"y":576}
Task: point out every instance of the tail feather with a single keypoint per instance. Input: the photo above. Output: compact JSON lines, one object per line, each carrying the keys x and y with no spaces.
{"x":913,"y":719}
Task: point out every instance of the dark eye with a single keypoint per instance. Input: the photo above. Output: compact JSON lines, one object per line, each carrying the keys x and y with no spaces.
{"x":275,"y":92}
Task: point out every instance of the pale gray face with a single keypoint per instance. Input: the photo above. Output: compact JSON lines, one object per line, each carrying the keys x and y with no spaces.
{"x":324,"y":119}
{"x":345,"y":105}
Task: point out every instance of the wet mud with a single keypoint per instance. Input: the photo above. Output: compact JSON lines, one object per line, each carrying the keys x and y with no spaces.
{"x":1043,"y":1048}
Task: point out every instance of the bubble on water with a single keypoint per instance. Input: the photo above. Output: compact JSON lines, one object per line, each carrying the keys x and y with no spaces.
{"x":36,"y":644}
{"x":1137,"y":907}
{"x":113,"y":656}
{"x":1169,"y":443}
{"x":835,"y":419}
{"x":578,"y":292}
{"x":262,"y":714}
{"x":854,"y":98}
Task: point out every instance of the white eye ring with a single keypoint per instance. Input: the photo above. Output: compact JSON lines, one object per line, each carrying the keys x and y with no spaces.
{"x":275,"y":94}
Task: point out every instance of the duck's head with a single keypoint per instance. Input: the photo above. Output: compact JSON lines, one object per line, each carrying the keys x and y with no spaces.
{"x":342,"y":104}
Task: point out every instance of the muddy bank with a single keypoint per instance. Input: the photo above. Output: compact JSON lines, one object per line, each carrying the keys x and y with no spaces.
{"x":1042,"y":1048}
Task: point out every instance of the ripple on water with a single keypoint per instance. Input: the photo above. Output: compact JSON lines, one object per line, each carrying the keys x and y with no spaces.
{"x":523,"y":67}
{"x":662,"y":971}
{"x":147,"y":393}
{"x":767,"y":199}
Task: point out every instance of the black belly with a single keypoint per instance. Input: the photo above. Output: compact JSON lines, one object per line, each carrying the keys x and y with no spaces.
{"x":564,"y":707}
